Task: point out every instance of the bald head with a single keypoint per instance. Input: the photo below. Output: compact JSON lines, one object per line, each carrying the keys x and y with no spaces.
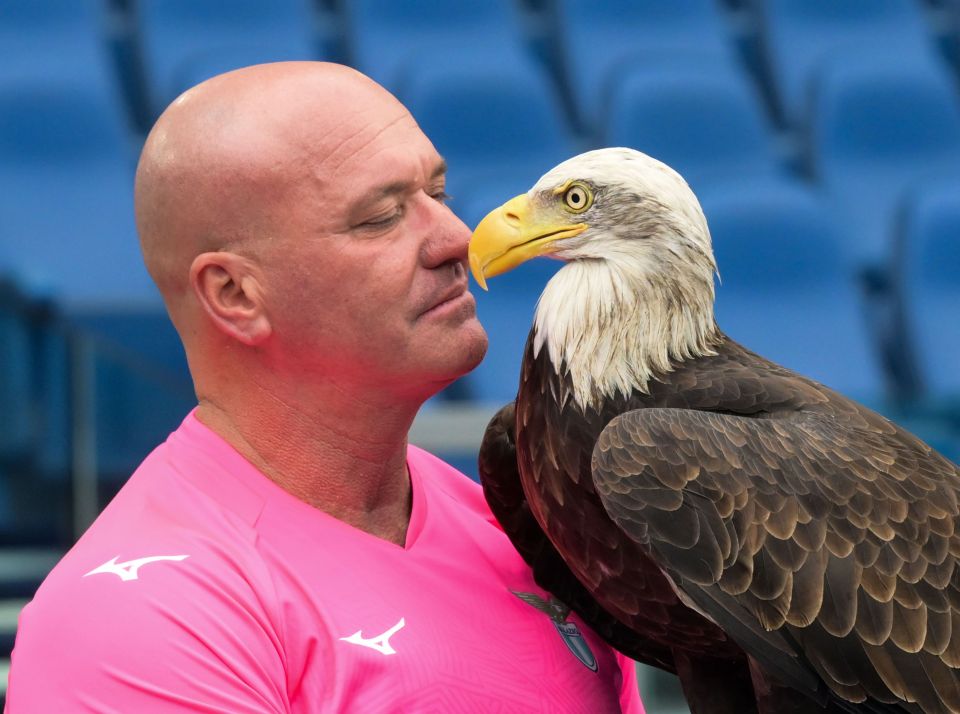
{"x":293,"y":217}
{"x":227,"y":156}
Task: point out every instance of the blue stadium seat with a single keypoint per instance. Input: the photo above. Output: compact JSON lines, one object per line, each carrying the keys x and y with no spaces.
{"x":384,"y":37}
{"x":66,"y":196}
{"x":16,"y":384}
{"x":800,"y":35}
{"x":498,"y":124}
{"x":52,"y":459}
{"x":786,"y":290}
{"x":877,"y":128}
{"x":928,"y":263}
{"x":63,"y":42}
{"x":186,"y":41}
{"x":705,"y":121}
{"x":506,"y":312}
{"x":63,"y":39}
{"x":601,"y":39}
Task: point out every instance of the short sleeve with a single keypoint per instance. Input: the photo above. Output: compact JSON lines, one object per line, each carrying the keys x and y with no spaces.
{"x":180,"y":637}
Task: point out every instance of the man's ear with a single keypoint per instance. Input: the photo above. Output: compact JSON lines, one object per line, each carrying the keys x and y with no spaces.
{"x":229,"y":289}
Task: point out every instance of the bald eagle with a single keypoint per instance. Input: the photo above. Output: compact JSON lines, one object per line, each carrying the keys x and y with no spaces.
{"x":777,"y":545}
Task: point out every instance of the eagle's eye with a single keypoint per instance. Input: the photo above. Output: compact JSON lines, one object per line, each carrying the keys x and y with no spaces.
{"x":577,"y":198}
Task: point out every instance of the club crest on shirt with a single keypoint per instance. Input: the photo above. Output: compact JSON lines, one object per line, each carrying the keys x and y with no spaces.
{"x":569,"y":632}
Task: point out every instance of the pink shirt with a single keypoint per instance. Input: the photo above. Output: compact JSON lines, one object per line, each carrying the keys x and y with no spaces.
{"x":206,"y":587}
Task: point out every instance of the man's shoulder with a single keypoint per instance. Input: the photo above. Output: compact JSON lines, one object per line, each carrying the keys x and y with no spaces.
{"x":154,"y":590}
{"x":156,"y":603}
{"x":159,"y":535}
{"x":167,"y":563}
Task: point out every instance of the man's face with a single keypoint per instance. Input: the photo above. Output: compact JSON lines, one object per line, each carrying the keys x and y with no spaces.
{"x":366,"y":279}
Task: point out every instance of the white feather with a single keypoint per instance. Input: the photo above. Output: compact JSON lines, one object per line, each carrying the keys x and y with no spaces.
{"x":622,"y":309}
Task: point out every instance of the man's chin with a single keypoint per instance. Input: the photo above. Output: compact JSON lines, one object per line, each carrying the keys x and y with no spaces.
{"x":475,"y":349}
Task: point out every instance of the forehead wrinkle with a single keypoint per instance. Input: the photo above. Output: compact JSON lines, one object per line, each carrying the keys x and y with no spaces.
{"x":348,"y":147}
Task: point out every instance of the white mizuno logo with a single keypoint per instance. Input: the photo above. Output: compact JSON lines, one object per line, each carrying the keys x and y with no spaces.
{"x":380,"y":643}
{"x":128,"y":570}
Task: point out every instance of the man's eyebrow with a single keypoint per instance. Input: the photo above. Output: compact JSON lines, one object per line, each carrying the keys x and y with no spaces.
{"x":377,"y":194}
{"x":395,"y":188}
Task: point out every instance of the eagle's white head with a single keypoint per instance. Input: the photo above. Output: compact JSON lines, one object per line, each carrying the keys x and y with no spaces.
{"x":637,"y":291}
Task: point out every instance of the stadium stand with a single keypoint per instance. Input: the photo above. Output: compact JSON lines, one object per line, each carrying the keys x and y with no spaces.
{"x":496,"y":121}
{"x":64,"y":39}
{"x":705,"y":121}
{"x":384,"y":38}
{"x":507,"y":313}
{"x":601,"y":39}
{"x":66,"y":193}
{"x":798,"y":36}
{"x":786,"y":289}
{"x":876,"y":128}
{"x":826,"y":164}
{"x":927,"y":262}
{"x":187,"y":41}
{"x":16,"y":438}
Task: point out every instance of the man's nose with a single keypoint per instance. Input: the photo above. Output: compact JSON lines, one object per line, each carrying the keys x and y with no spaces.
{"x":446,"y":240}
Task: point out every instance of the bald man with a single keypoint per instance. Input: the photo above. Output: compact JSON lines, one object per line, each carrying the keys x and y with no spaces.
{"x":285,"y":550}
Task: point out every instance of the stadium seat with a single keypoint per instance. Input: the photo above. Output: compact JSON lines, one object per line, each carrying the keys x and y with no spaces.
{"x":64,"y":42}
{"x":498,"y":124}
{"x":384,"y":37}
{"x":877,"y":128}
{"x":704,"y":121}
{"x":52,"y":460}
{"x":34,"y":450}
{"x":786,"y":289}
{"x":800,"y":35}
{"x":16,"y":384}
{"x":66,"y":196}
{"x":601,"y":39}
{"x":60,"y":39}
{"x":66,"y":201}
{"x":928,"y":265}
{"x":506,"y":312}
{"x":186,"y":41}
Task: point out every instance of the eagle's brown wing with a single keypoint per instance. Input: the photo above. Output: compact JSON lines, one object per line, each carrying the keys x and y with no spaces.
{"x":500,"y":477}
{"x":838,"y":537}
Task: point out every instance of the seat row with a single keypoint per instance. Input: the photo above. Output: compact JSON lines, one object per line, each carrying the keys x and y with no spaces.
{"x":840,"y":231}
{"x":159,"y":47}
{"x":881,"y":136}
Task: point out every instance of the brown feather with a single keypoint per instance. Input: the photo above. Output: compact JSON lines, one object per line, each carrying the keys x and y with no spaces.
{"x":951,"y":654}
{"x":839,"y":610}
{"x":939,"y":632}
{"x":771,"y":502}
{"x":807,"y":590}
{"x":909,"y":627}
{"x":874,"y":618}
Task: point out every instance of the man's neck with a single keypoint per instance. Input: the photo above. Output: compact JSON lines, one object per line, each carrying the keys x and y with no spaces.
{"x":342,"y":455}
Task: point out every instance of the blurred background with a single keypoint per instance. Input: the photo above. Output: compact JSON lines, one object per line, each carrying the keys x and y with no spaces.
{"x":822,"y":137}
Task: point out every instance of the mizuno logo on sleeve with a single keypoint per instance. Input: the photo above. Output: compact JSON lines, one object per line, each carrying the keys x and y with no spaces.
{"x":128,"y":569}
{"x":380,"y":643}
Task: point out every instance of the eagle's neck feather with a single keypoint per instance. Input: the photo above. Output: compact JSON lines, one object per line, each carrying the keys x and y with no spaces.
{"x":614,"y":324}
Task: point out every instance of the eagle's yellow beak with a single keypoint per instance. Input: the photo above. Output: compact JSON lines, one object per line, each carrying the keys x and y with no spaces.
{"x":511,"y":235}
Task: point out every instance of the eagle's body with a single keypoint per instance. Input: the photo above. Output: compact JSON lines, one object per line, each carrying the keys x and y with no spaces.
{"x":781,"y":547}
